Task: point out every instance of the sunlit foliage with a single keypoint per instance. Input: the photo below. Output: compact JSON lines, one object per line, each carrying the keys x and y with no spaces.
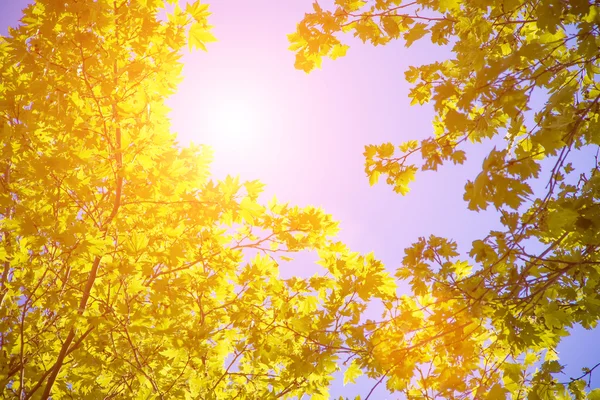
{"x":524,"y":72}
{"x":126,"y":272}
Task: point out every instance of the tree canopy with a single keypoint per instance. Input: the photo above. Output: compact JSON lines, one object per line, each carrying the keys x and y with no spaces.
{"x":127,"y":272}
{"x":526,"y":72}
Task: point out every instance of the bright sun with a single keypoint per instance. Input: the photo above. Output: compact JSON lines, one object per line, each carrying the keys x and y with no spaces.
{"x":236,"y":116}
{"x":236,"y":119}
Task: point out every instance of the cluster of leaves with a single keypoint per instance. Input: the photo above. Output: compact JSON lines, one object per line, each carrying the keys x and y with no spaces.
{"x":526,"y":70}
{"x":125,"y":271}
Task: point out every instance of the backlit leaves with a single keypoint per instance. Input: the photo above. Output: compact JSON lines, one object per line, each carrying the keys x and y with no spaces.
{"x":200,"y":35}
{"x":525,"y":74}
{"x":351,"y":373}
{"x":416,"y":32}
{"x":126,"y":272}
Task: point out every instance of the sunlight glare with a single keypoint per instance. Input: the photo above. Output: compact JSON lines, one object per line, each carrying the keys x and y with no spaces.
{"x":236,"y":119}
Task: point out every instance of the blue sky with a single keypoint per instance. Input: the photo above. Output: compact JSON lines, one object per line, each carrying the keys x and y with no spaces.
{"x":309,"y":131}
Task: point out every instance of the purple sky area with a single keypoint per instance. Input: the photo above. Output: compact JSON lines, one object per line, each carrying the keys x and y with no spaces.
{"x":309,"y":133}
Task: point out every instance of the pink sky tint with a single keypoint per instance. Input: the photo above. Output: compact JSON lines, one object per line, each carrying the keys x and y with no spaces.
{"x":312,"y":132}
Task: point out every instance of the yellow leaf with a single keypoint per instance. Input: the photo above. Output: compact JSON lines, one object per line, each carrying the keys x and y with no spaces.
{"x":446,"y":5}
{"x":462,"y":269}
{"x":416,"y":32}
{"x":497,"y":393}
{"x":198,"y":11}
{"x":339,"y":50}
{"x":352,"y":373}
{"x":195,"y":383}
{"x":199,"y":35}
{"x":3,"y":254}
{"x":250,"y":209}
{"x":373,"y":177}
{"x":390,"y":26}
{"x":354,"y":5}
{"x":254,"y":188}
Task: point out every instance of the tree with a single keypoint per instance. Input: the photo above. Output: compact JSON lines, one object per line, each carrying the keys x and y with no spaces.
{"x":527,"y":70}
{"x":128,"y":273}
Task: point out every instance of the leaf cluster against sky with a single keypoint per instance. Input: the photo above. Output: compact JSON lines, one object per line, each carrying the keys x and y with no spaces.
{"x":151,"y":205}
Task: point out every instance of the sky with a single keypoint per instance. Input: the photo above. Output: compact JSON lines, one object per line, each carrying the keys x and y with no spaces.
{"x":303,"y":136}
